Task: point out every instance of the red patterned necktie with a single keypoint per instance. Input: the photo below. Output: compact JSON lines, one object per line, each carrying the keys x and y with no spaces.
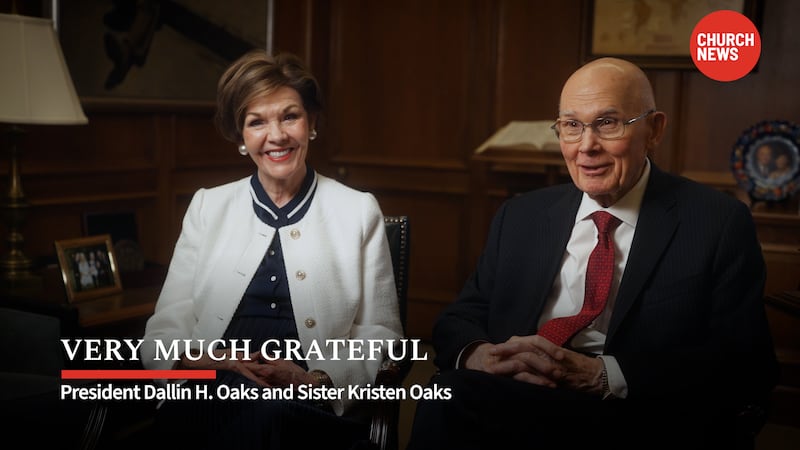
{"x":599,"y":273}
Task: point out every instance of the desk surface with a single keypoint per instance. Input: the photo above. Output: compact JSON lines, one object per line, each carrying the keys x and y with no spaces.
{"x":134,"y":303}
{"x":520,"y":156}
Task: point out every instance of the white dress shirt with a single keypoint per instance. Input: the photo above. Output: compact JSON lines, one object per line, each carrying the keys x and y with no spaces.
{"x":566,"y":296}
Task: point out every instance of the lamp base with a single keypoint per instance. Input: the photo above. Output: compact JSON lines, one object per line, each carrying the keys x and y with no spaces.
{"x":15,"y":265}
{"x":20,"y":283}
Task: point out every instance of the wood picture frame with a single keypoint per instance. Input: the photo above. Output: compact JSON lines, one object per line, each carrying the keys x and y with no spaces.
{"x":88,"y":267}
{"x":648,"y":33}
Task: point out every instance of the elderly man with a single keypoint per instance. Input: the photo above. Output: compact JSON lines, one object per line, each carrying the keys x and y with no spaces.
{"x":624,"y":308}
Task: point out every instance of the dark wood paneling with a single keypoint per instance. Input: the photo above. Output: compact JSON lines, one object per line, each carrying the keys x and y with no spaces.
{"x":538,"y":46}
{"x":399,"y":78}
{"x":410,"y":90}
{"x":292,"y":27}
{"x":109,"y":141}
{"x":197,"y":144}
{"x":437,"y":228}
{"x":667,"y":89}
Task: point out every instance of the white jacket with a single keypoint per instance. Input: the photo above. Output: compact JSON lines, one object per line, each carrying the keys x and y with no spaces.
{"x":337,"y":263}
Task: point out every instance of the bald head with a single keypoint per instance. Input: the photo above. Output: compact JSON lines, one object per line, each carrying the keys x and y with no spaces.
{"x":610,"y":93}
{"x":613,"y":77}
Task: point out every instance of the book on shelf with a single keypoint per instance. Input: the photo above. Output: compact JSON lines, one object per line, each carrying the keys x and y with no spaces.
{"x":520,"y":135}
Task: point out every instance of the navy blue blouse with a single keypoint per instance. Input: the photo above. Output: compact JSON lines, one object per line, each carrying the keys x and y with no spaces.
{"x":265,"y":311}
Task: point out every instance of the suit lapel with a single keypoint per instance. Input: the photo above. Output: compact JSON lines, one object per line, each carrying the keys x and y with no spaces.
{"x":657,"y":223}
{"x":547,"y":251}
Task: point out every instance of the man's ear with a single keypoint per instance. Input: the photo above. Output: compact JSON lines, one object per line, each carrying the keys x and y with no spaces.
{"x":657,"y":129}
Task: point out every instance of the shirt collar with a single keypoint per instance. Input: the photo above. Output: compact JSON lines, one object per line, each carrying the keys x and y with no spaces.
{"x":291,"y":212}
{"x":625,"y":209}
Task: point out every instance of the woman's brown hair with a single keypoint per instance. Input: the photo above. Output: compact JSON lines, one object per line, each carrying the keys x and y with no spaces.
{"x":256,"y":74}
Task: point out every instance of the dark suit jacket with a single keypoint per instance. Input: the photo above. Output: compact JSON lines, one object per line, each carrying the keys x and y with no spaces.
{"x":689,"y":316}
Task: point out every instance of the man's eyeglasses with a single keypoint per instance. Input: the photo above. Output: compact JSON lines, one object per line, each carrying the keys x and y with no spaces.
{"x":608,"y":128}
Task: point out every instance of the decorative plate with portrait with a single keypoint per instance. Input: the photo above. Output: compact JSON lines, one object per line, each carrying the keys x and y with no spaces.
{"x":766,"y":160}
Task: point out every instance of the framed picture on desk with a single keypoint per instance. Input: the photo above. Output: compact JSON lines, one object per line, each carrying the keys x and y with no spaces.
{"x":88,"y":267}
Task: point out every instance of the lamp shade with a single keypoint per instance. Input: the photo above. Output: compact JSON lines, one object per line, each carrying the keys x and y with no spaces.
{"x":35,"y":85}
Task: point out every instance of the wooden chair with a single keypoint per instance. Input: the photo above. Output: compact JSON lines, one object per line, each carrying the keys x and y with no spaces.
{"x":385,"y":414}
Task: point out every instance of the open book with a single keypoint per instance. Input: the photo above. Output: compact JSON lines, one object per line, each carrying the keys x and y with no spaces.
{"x":524,"y":135}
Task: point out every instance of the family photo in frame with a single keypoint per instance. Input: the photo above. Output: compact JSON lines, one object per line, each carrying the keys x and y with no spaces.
{"x":766,"y":160}
{"x":88,"y":267}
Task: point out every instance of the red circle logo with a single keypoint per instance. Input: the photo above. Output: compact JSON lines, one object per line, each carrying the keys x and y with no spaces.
{"x":725,"y":45}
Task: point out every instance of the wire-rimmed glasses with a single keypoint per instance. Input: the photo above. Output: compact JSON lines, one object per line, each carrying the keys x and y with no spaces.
{"x":608,"y":128}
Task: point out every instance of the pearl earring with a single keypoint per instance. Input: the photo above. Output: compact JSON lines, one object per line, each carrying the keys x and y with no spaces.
{"x":242,"y":150}
{"x":313,"y":135}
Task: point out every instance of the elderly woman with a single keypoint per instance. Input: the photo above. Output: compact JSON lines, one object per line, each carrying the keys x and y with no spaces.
{"x":283,"y":255}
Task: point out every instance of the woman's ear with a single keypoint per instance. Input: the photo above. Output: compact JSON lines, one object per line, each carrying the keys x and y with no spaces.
{"x":312,"y":121}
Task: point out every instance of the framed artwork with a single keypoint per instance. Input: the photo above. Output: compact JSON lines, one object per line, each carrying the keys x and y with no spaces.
{"x":88,"y":267}
{"x":653,"y":34}
{"x":157,"y":50}
{"x":766,"y":160}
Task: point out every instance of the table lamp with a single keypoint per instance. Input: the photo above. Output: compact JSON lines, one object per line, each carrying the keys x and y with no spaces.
{"x":35,"y":89}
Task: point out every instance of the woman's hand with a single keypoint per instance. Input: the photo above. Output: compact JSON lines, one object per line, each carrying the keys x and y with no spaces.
{"x":281,"y":372}
{"x":264,"y":372}
{"x":222,"y":361}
